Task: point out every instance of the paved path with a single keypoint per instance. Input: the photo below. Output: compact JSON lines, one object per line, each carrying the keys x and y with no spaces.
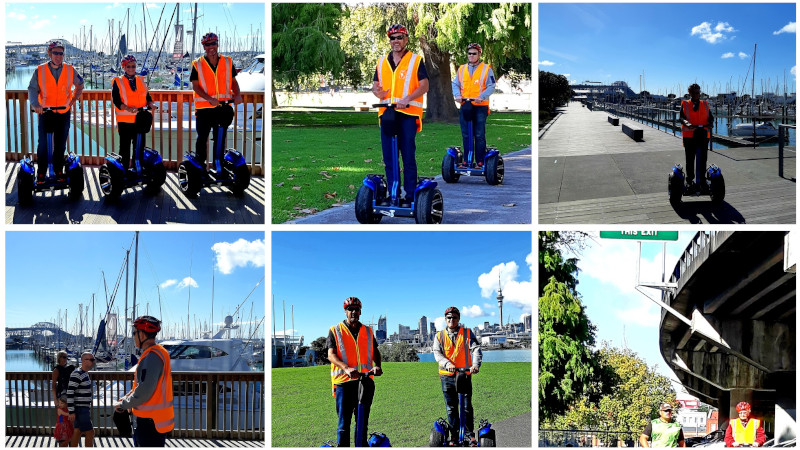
{"x":213,"y":205}
{"x":470,"y":200}
{"x":117,"y":442}
{"x":591,"y":172}
{"x":514,"y":432}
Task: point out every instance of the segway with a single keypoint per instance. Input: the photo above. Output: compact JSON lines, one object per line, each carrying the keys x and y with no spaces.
{"x":148,"y":170}
{"x":230,"y":168}
{"x":375,"y":439}
{"x":441,"y":432}
{"x":374,"y":200}
{"x":456,"y":163}
{"x":713,"y":185}
{"x":72,"y":178}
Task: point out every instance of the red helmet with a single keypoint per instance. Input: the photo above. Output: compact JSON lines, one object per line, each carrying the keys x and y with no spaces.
{"x":209,"y":37}
{"x":352,"y":301}
{"x":396,"y":28}
{"x":475,"y":46}
{"x":126,"y":59}
{"x":148,"y":324}
{"x":742,"y":406}
{"x":452,"y":309}
{"x":54,"y":44}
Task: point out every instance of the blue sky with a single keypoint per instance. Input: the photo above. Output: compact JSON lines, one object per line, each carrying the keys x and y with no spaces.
{"x":403,"y":275}
{"x":674,"y":44}
{"x":33,"y":23}
{"x":71,"y":263}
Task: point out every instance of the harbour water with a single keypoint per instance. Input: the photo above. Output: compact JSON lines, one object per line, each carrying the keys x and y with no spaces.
{"x":516,"y":355}
{"x":25,"y":360}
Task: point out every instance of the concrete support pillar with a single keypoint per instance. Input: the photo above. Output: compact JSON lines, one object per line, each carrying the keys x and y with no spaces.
{"x":724,"y":411}
{"x":785,"y":410}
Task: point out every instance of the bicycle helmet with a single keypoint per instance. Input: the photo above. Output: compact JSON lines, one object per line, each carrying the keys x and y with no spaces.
{"x":148,"y":324}
{"x":475,"y":46}
{"x":452,"y":309}
{"x":742,"y":406}
{"x":352,"y":301}
{"x":127,"y":59}
{"x":209,"y":37}
{"x":396,"y":28}
{"x":54,"y":44}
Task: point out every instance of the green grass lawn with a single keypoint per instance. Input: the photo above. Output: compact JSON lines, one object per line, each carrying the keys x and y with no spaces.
{"x":408,"y":399}
{"x":320,"y":158}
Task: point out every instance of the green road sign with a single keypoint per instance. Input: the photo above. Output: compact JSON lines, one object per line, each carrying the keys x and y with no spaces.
{"x":641,"y":235}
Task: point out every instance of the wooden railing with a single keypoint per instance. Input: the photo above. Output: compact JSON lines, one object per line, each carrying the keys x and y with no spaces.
{"x":93,"y":132}
{"x":237,"y":412}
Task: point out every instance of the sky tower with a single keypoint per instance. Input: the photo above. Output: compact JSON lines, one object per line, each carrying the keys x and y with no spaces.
{"x":500,"y":301}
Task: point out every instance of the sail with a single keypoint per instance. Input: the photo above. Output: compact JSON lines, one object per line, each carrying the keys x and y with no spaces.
{"x":123,"y":45}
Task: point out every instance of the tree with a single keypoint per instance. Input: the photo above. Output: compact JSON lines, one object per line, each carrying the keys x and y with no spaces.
{"x":553,"y":90}
{"x":321,"y":349}
{"x":398,"y":352}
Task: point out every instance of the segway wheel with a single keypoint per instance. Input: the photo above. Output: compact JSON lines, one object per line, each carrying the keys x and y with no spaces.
{"x":76,"y":183}
{"x":429,"y":207}
{"x":488,"y":440}
{"x":25,"y":188}
{"x":111,"y":181}
{"x":717,"y":189}
{"x":495,"y":170}
{"x":436,"y":439}
{"x":241,"y":180}
{"x":449,"y":174}
{"x":364,"y":213}
{"x":189,"y":179}
{"x":158,"y":175}
{"x":674,"y":189}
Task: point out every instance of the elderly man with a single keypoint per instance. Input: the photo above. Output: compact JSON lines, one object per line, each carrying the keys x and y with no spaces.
{"x":744,"y":430}
{"x":79,"y":401}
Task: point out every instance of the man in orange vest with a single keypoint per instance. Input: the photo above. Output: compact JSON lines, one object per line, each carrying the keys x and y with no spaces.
{"x":151,"y":396}
{"x":475,"y":80}
{"x":128,"y":93}
{"x":401,"y":79}
{"x":743,"y":430}
{"x":213,"y":80}
{"x":352,"y":350}
{"x":696,"y":112}
{"x":52,"y":85}
{"x":454,"y":348}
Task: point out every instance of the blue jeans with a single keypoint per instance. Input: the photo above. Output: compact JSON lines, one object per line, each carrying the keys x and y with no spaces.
{"x":406,"y":142}
{"x":59,"y":124}
{"x":347,"y":406}
{"x":451,"y":400}
{"x":478,"y":130}
{"x":696,"y":147}
{"x":146,"y":435}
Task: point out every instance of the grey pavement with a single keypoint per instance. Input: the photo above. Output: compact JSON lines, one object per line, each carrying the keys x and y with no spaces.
{"x":514,"y":432}
{"x":591,"y":172}
{"x":470,"y":201}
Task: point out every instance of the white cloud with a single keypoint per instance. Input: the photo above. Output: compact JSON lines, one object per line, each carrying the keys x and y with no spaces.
{"x":39,"y":24}
{"x":518,"y":293}
{"x":794,"y":71}
{"x":241,"y":253}
{"x":151,"y":5}
{"x":642,"y":312}
{"x":187,"y":282}
{"x":471,"y":311}
{"x":440,"y":323}
{"x":168,"y":283}
{"x":17,"y":16}
{"x":706,"y":33}
{"x":546,"y":63}
{"x":727,"y":55}
{"x":742,"y":55}
{"x":84,"y":20}
{"x":791,"y":27}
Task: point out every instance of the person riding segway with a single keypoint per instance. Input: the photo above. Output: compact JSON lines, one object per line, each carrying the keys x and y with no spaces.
{"x":745,"y":431}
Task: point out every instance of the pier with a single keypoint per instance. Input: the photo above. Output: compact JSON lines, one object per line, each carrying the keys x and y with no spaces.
{"x":591,"y":172}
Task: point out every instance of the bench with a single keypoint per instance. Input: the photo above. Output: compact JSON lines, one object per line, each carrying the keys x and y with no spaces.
{"x":361,"y":106}
{"x":613,"y":120}
{"x":635,"y":133}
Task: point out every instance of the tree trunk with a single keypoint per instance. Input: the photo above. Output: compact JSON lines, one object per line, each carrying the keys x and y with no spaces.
{"x":274,"y":97}
{"x":441,"y":104}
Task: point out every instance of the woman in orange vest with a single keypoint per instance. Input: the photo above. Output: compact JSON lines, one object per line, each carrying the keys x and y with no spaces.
{"x":52,"y":85}
{"x":475,"y":80}
{"x":454,"y":348}
{"x":352,"y":350}
{"x":744,"y":430}
{"x":401,"y":78}
{"x":151,"y":396}
{"x":128,"y":92}
{"x":696,"y":112}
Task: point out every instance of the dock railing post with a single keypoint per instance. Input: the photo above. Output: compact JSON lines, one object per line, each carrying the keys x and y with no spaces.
{"x":781,"y":129}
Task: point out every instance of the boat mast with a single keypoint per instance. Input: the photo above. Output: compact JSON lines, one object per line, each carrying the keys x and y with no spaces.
{"x":753,"y":93}
{"x":135,"y":274}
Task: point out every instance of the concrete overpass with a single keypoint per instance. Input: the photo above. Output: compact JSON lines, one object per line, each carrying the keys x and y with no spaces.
{"x":730,"y":334}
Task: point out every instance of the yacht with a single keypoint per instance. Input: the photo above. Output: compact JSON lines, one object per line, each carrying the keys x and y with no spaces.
{"x":763,"y":129}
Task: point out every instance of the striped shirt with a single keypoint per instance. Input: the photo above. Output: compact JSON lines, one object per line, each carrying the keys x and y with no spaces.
{"x":79,"y":390}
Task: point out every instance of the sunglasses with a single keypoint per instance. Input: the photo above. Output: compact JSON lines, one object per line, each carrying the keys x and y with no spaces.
{"x":472,"y":54}
{"x":396,"y":38}
{"x":353,"y":309}
{"x":667,"y":410}
{"x":451,"y":317}
{"x":58,"y":53}
{"x":210,"y":44}
{"x":130,"y":67}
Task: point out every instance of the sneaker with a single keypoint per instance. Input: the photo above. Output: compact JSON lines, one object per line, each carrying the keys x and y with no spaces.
{"x":61,"y":178}
{"x":480,"y":165}
{"x":704,"y":189}
{"x":405,"y":202}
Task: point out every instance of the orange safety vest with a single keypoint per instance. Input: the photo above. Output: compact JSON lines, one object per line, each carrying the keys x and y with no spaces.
{"x":55,"y":93}
{"x":458,"y":353}
{"x":136,"y":99}
{"x":217,"y":84}
{"x":352,"y":353}
{"x":474,"y":87}
{"x":400,"y":82}
{"x":159,"y":406}
{"x":699,"y":117}
{"x":745,"y":435}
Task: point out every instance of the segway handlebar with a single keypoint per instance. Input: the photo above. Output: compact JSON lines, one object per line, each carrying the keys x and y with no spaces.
{"x":388,"y":105}
{"x":53,"y":108}
{"x":363,"y":375}
{"x":146,"y":108}
{"x":470,"y":100}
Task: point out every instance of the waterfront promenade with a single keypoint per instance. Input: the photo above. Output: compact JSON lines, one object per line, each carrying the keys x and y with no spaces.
{"x":117,"y":442}
{"x":591,"y":172}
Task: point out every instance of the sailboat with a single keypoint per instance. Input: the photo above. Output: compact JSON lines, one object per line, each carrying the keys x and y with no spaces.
{"x":753,"y":130}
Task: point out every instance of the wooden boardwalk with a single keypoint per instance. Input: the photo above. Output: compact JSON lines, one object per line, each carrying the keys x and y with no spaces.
{"x":118,"y":442}
{"x":591,"y":172}
{"x":213,"y":206}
